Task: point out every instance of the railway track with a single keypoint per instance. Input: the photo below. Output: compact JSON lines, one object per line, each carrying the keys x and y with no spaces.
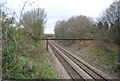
{"x":76,"y":67}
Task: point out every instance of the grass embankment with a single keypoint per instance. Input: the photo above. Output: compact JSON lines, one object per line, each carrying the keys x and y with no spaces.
{"x":36,"y":69}
{"x":100,"y":53}
{"x":27,"y":62}
{"x":37,"y":64}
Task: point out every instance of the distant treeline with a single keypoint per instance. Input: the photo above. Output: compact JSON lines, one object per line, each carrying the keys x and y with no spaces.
{"x":106,"y":28}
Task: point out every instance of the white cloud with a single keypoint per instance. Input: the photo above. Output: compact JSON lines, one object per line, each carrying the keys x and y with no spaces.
{"x":49,"y":27}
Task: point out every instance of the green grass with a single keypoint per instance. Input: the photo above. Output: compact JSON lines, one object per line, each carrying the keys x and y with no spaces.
{"x":36,"y":61}
{"x":111,"y":59}
{"x":39,"y":70}
{"x":48,"y":71}
{"x":106,"y":58}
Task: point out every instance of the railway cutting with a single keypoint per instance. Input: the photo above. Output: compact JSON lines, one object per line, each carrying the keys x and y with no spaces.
{"x":76,"y":67}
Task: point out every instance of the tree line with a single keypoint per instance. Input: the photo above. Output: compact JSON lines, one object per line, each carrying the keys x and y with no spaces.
{"x":106,"y":28}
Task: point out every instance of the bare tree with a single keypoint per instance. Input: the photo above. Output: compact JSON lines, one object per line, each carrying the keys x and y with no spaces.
{"x":34,"y":21}
{"x":75,"y":27}
{"x":2,"y":4}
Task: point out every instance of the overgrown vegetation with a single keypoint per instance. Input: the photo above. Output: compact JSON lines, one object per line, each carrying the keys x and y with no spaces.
{"x":101,"y":53}
{"x":23,"y":53}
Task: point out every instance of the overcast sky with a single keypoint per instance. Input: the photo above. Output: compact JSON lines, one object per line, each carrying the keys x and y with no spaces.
{"x":61,"y":9}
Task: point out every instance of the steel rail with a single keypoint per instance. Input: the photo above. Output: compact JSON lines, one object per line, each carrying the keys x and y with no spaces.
{"x":87,"y":68}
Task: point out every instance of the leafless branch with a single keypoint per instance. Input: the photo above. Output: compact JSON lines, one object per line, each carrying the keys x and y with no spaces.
{"x":1,"y":5}
{"x":22,"y":10}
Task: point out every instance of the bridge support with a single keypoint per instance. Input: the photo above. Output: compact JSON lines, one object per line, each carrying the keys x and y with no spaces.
{"x":46,"y":44}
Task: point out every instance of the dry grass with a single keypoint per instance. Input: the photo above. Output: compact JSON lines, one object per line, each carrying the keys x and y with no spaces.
{"x":100,"y":53}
